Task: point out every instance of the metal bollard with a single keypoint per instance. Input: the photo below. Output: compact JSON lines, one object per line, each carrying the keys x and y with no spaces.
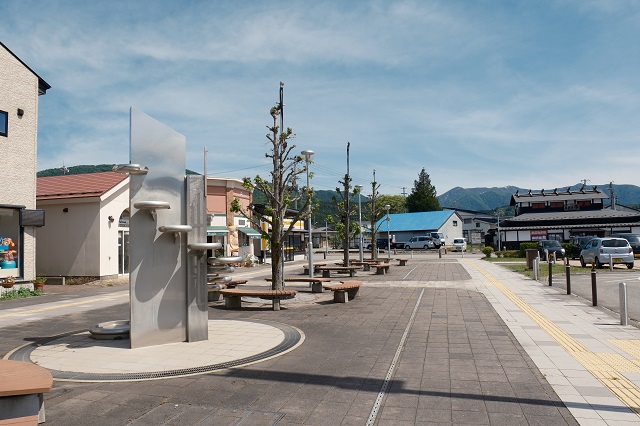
{"x":567,"y":270}
{"x":610,"y":262}
{"x":535,"y":268}
{"x":550,"y":274}
{"x":440,"y":253}
{"x":594,"y":288}
{"x":624,"y":316}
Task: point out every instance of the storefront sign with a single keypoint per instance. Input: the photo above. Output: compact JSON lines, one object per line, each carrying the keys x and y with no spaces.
{"x":537,"y":235}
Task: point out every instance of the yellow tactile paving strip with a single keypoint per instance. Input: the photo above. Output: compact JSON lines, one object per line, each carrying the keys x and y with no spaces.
{"x":606,"y":367}
{"x":61,"y":306}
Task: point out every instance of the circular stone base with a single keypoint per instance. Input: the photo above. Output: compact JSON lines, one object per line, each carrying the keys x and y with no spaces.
{"x":75,"y":356}
{"x":112,"y":330}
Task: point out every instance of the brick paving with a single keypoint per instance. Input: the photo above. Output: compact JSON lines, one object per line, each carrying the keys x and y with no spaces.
{"x":452,"y":361}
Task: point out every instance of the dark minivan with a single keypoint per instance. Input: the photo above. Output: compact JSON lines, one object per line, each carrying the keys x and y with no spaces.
{"x":577,"y":244}
{"x":634,"y":241}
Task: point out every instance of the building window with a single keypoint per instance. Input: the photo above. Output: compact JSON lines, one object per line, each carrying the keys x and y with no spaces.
{"x":4,"y":123}
{"x":477,"y":224}
{"x":585,"y":203}
{"x":556,"y":204}
{"x":537,"y":205}
{"x":455,"y":223}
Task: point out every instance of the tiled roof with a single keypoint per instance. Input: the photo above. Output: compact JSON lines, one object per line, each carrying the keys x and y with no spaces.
{"x":419,"y":221}
{"x":77,"y":186}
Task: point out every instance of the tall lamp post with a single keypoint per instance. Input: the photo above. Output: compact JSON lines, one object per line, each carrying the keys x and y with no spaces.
{"x":359,"y":188}
{"x":308,"y":154}
{"x":387,"y":207}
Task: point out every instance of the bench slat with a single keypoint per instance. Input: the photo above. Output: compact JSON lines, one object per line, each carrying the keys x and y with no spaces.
{"x":23,"y":378}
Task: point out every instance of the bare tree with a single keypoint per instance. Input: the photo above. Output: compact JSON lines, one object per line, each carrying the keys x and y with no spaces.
{"x":279,"y":192}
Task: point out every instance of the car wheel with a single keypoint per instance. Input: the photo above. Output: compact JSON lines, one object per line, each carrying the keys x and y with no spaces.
{"x":582,"y":262}
{"x":425,"y":247}
{"x":630,"y":265}
{"x":598,"y":264}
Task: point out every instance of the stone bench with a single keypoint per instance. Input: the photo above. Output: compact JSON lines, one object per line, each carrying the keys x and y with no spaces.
{"x":22,"y":386}
{"x":233,"y":296}
{"x":345,"y":291}
{"x":326,"y":270}
{"x":214,"y":289}
{"x":402,"y":261}
{"x":382,"y":268}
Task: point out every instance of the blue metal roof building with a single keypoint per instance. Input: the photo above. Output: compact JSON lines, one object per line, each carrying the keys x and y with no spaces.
{"x":403,"y":226}
{"x":419,"y":221}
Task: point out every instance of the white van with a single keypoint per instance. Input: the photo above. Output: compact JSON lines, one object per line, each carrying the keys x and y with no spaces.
{"x":421,"y":242}
{"x":438,"y":239}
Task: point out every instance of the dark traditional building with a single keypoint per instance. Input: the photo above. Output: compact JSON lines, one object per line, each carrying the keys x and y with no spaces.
{"x":562,"y":214}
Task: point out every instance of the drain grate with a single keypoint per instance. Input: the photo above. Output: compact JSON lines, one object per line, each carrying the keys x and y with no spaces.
{"x":291,"y":338}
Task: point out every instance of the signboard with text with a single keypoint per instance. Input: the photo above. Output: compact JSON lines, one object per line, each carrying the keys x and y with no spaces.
{"x":537,"y":235}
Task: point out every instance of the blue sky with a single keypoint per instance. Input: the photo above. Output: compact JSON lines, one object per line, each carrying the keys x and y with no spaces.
{"x":536,"y":94}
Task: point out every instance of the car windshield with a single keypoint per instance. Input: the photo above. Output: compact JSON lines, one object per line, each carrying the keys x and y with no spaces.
{"x":551,"y":244}
{"x":458,"y":241}
{"x":632,"y":238}
{"x":615,"y":243}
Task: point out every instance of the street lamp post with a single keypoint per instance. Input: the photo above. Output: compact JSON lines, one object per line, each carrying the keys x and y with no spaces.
{"x":387,"y":207}
{"x":359,"y":188}
{"x":308,"y":154}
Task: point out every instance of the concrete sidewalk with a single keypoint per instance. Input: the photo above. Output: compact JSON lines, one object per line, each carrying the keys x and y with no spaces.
{"x":440,"y":341}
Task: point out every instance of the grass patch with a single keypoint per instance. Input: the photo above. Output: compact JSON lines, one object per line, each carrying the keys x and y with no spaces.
{"x":20,"y":293}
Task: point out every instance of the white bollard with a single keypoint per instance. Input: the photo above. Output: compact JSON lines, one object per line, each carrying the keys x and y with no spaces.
{"x":535,"y":268}
{"x":610,"y":262}
{"x":624,"y":317}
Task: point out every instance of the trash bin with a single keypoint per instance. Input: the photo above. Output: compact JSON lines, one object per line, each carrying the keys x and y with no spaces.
{"x":531,"y":254}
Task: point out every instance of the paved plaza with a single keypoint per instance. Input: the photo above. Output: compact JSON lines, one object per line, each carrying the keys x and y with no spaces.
{"x":452,"y":340}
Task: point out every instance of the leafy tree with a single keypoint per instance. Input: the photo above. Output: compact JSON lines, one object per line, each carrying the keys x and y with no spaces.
{"x":423,"y":195}
{"x":397,"y":203}
{"x":339,"y":219}
{"x":279,"y":193}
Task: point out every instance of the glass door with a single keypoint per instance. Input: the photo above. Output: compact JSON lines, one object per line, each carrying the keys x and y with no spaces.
{"x":123,"y":252}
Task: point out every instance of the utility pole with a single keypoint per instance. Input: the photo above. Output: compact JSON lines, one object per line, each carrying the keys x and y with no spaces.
{"x":374,"y":194}
{"x":345,"y":220}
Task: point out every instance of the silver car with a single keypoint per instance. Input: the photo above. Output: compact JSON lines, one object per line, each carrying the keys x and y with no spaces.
{"x":606,"y":250}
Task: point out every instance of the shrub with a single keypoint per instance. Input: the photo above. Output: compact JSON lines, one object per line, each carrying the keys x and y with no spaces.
{"x":527,"y":246}
{"x":498,"y":253}
{"x":512,"y":253}
{"x":487,"y":251}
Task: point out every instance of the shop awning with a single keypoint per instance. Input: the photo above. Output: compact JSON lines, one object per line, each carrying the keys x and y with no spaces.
{"x":249,"y":232}
{"x":217,"y":230}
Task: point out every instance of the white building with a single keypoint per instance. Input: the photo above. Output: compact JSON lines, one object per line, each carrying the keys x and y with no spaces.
{"x":19,"y":91}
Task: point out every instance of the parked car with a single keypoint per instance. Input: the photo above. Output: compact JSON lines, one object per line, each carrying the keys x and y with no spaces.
{"x":550,"y":247}
{"x":420,"y":242}
{"x":634,"y":241}
{"x":459,"y":244}
{"x":577,"y":244}
{"x":605,"y":250}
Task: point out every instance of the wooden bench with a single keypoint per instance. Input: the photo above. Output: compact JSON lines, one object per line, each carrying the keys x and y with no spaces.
{"x":345,"y":291}
{"x":366,"y":264}
{"x":316,"y":283}
{"x":402,"y":261}
{"x":214,"y":289}
{"x":233,"y":296}
{"x":315,"y":267}
{"x":326,"y":270}
{"x":382,"y":268}
{"x":22,"y":386}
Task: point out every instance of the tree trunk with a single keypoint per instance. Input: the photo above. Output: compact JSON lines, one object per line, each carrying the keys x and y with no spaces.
{"x":276,"y":265}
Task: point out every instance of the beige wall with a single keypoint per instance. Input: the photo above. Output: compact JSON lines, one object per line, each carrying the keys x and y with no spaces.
{"x":19,"y":89}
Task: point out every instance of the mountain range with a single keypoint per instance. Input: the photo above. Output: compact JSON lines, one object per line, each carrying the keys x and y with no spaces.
{"x":489,"y":199}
